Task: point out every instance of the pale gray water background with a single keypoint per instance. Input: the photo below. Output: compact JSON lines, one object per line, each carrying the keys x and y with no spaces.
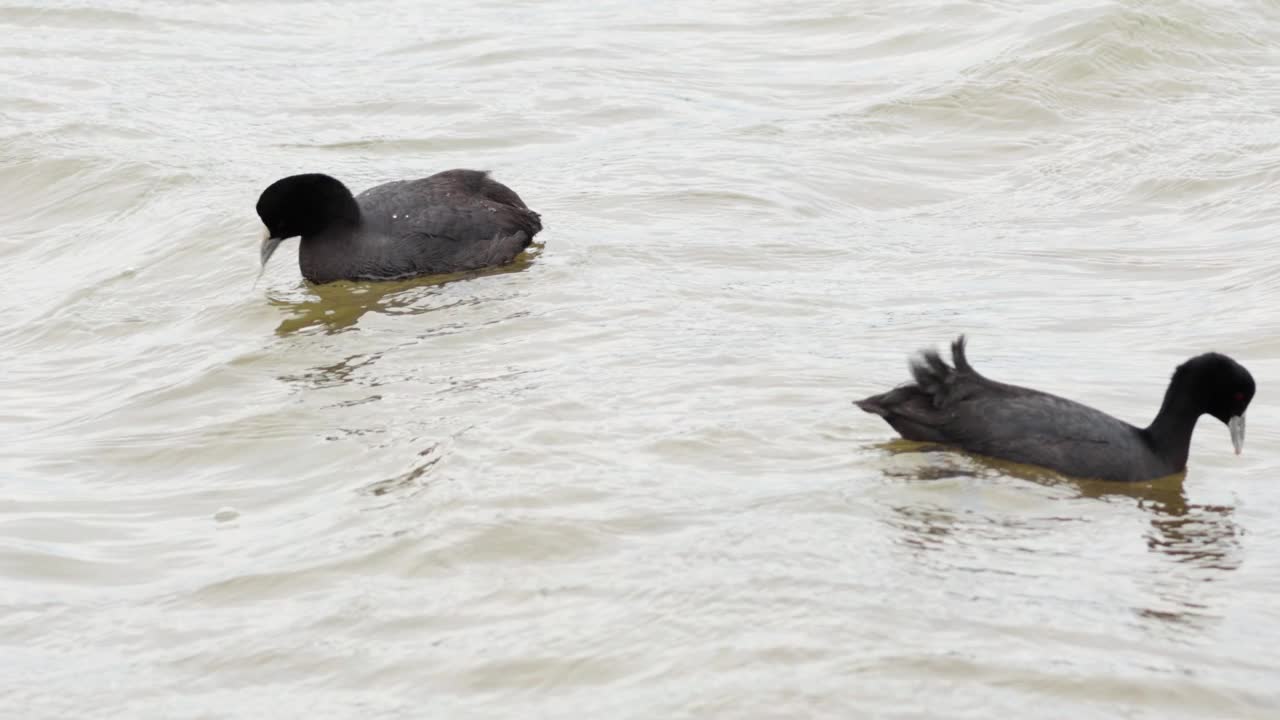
{"x":624,"y":478}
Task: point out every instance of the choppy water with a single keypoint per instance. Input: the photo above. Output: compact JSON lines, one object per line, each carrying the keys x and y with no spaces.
{"x":623,"y":478}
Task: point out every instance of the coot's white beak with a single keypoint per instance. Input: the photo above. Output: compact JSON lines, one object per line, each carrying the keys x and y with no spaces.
{"x":269,"y":245}
{"x":1236,"y":426}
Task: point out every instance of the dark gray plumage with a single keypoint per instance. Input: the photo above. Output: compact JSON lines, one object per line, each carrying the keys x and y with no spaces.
{"x":449,"y":222}
{"x":958,"y":406}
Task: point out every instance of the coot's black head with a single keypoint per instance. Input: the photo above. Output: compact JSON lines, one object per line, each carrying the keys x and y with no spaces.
{"x":303,"y":205}
{"x":1220,"y":387}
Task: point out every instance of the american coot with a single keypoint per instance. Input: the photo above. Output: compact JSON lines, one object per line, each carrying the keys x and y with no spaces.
{"x":451,"y":221}
{"x":957,"y":406}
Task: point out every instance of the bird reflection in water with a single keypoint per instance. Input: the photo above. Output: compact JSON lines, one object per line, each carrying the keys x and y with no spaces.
{"x":338,"y":306}
{"x":1201,"y":540}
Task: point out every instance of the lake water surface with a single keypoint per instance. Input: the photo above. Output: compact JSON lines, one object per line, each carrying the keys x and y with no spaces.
{"x":623,"y":478}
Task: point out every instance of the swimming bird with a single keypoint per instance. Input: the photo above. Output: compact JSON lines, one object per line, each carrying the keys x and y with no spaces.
{"x":451,"y":221}
{"x":957,"y":406}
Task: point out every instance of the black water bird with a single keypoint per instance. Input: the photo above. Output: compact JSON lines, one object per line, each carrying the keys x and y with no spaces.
{"x":449,"y":222}
{"x":958,"y":406}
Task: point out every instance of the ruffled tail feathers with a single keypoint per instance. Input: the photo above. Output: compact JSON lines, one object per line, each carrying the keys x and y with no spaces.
{"x":933,"y":379}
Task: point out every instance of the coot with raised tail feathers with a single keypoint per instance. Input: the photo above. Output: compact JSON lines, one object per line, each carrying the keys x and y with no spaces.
{"x":957,"y":406}
{"x":449,"y":222}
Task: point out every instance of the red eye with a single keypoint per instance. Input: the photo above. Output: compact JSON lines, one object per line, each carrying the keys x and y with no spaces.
{"x":1239,"y":397}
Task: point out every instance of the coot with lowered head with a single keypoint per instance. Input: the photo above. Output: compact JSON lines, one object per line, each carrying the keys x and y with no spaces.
{"x":957,"y":406}
{"x":449,"y":222}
